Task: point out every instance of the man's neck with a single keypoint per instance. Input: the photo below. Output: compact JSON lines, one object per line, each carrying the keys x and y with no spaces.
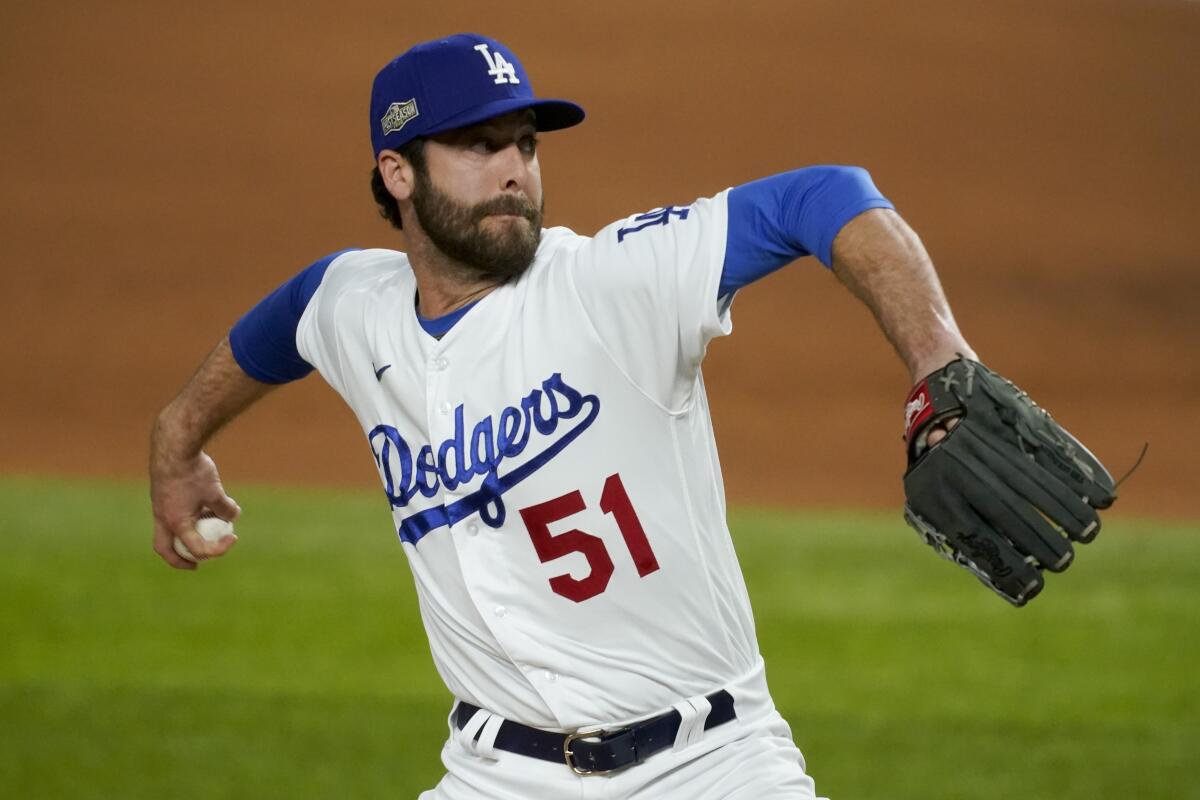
{"x":444,"y":284}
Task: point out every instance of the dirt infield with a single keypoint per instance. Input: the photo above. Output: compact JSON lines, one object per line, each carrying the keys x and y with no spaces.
{"x":166,"y":165}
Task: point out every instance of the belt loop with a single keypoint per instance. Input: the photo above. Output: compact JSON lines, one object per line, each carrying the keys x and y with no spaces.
{"x":693,"y":714}
{"x":703,"y":708}
{"x":487,"y":738}
{"x":466,"y":736}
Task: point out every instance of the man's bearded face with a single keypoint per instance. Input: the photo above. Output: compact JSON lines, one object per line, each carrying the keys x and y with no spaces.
{"x":497,"y":247}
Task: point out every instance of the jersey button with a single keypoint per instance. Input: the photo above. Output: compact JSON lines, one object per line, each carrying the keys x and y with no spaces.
{"x":472,"y":529}
{"x":444,"y":407}
{"x":439,"y":363}
{"x":500,"y":611}
{"x":550,"y":676}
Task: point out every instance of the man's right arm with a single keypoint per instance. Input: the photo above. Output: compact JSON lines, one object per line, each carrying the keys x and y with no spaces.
{"x":259,"y":354}
{"x":183,"y":478}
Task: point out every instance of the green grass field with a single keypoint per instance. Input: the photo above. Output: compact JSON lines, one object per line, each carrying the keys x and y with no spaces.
{"x":297,"y":667}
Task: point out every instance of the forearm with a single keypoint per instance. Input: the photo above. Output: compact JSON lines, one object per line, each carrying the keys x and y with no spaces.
{"x":184,"y":482}
{"x":883,"y":263}
{"x":216,"y":393}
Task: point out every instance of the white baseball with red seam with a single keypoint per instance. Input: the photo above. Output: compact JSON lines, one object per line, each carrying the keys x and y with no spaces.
{"x":211,"y":529}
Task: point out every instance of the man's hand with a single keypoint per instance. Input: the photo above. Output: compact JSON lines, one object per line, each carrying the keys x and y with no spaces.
{"x":180,"y":491}
{"x":183,"y":479}
{"x":939,"y":430}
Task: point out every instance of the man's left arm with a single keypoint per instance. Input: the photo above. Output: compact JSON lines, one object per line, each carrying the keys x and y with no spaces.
{"x":1008,"y":491}
{"x":836,"y":214}
{"x":882,"y":261}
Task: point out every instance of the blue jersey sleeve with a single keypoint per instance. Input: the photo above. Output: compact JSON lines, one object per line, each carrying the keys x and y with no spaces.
{"x":264,"y":339}
{"x":775,"y":220}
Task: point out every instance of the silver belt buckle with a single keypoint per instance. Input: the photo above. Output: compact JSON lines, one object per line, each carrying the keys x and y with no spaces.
{"x":569,"y":756}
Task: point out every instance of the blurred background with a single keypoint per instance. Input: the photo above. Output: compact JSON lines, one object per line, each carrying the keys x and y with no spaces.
{"x":167,"y":164}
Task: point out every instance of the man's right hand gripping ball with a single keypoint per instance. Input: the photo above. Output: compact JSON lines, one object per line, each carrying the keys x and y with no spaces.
{"x":1008,"y":490}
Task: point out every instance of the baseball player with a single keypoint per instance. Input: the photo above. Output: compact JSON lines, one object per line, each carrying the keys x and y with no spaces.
{"x":534,"y":404}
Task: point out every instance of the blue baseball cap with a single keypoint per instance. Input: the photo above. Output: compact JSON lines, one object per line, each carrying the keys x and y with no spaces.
{"x":453,"y":82}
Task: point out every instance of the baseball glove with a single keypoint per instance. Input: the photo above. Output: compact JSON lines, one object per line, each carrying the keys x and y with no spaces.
{"x":1008,"y":489}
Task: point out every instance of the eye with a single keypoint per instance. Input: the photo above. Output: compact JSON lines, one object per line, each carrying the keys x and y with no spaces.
{"x":528,"y":144}
{"x":483,"y":146}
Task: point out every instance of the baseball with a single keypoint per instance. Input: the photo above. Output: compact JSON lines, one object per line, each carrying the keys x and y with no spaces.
{"x":213,"y":529}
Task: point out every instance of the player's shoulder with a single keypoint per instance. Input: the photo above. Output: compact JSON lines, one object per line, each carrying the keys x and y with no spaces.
{"x":672,"y":223}
{"x":356,"y":284}
{"x":556,"y":247}
{"x":557,"y":242}
{"x":662,"y":235}
{"x":366,"y":263}
{"x":370,"y":269}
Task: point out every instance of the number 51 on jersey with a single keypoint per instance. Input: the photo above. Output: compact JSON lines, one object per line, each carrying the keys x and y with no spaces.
{"x":549,"y":546}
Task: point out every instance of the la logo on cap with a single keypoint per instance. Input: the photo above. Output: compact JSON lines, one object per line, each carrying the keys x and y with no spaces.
{"x":398,"y":115}
{"x":498,"y":66}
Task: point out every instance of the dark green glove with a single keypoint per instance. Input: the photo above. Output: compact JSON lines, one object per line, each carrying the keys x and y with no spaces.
{"x":1008,"y":489}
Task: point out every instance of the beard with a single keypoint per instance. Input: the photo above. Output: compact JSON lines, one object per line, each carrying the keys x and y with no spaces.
{"x":459,"y":230}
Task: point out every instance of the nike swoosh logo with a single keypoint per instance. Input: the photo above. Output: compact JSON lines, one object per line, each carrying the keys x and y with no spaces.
{"x":379,"y":372}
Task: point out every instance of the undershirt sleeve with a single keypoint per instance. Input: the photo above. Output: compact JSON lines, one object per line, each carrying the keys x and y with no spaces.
{"x":264,"y":339}
{"x":775,"y":220}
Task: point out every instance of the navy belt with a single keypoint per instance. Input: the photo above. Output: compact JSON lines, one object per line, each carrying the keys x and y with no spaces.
{"x":595,"y":752}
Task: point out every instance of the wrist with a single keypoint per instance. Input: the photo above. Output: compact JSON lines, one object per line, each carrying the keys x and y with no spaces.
{"x":170,"y":442}
{"x":925,"y":365}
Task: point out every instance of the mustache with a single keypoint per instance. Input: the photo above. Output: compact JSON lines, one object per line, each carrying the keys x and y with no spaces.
{"x":517,"y":205}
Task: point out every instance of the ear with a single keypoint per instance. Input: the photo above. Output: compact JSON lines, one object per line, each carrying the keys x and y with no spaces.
{"x":397,"y":174}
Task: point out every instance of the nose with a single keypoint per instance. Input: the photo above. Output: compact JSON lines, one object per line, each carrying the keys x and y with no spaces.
{"x":514,"y":169}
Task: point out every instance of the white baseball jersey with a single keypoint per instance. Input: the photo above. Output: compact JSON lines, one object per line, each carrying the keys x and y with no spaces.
{"x":551,"y":467}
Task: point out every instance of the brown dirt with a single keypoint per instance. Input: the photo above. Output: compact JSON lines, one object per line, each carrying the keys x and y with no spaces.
{"x":166,"y":164}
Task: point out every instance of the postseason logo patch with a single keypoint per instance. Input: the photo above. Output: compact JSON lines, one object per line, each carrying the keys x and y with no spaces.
{"x":398,"y":115}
